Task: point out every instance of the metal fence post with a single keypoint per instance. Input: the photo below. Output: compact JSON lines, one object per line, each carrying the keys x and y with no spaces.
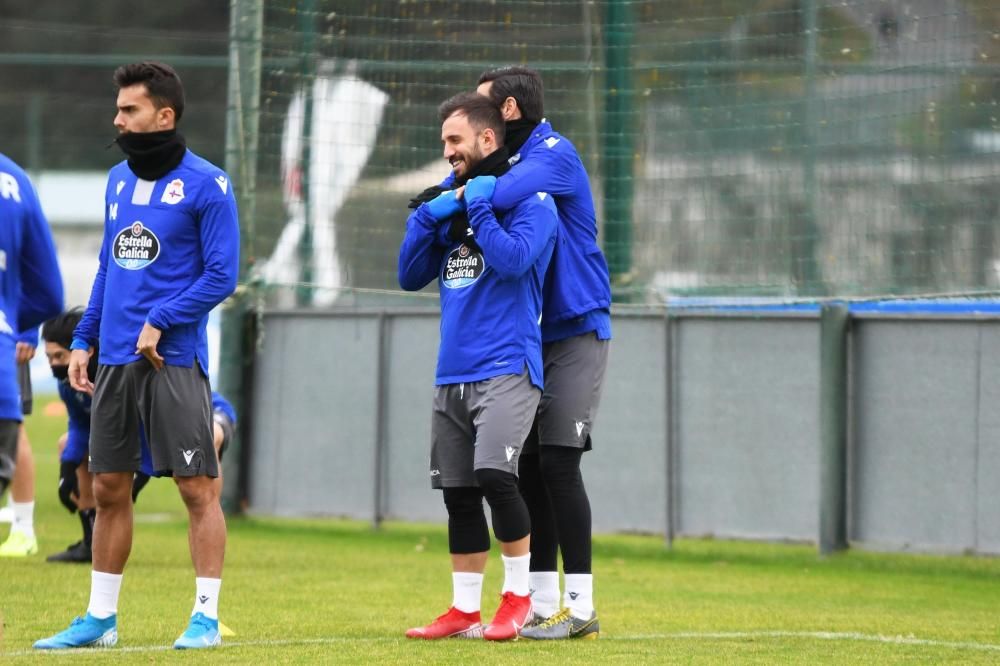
{"x":833,"y":428}
{"x":246,"y":29}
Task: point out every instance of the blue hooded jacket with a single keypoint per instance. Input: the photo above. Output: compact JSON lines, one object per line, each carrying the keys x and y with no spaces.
{"x":577,"y":294}
{"x":31,"y":288}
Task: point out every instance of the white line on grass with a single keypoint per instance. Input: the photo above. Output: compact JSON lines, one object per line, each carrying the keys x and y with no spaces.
{"x":684,"y":635}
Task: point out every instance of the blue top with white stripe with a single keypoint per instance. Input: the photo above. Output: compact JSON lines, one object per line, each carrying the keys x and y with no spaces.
{"x":170,"y":254}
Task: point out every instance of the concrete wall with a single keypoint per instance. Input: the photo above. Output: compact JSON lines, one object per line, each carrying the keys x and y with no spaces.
{"x":709,"y":425}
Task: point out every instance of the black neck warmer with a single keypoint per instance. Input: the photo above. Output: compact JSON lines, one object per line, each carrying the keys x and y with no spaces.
{"x":494,"y":164}
{"x":517,"y":132}
{"x":152,"y":155}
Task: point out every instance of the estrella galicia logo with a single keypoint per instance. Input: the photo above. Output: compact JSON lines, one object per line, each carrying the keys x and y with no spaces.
{"x":462,"y":267}
{"x":135,"y":247}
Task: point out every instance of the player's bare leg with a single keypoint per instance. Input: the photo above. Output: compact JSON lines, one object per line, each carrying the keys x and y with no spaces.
{"x":207,"y":541}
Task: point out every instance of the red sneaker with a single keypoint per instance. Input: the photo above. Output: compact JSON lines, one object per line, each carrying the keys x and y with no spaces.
{"x":453,"y":624}
{"x":514,"y":611}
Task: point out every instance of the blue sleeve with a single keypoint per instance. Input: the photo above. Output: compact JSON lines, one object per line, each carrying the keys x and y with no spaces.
{"x":543,"y":170}
{"x":87,"y":332}
{"x":29,"y":336}
{"x":41,"y":281}
{"x":220,"y":245}
{"x":146,"y":457}
{"x":512,"y":251}
{"x":420,"y":255}
{"x":220,"y":404}
{"x":448,"y":181}
{"x":77,"y":444}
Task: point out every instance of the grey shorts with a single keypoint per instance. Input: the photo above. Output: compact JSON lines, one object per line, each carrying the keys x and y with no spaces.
{"x":174,"y":408}
{"x":574,"y":376}
{"x":24,"y":381}
{"x":8,"y":450}
{"x":227,"y":430}
{"x":481,"y":425}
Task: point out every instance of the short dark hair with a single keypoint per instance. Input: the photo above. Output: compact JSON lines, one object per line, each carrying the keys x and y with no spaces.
{"x":481,"y":112}
{"x":161,"y":81}
{"x":60,"y":328}
{"x":523,"y":84}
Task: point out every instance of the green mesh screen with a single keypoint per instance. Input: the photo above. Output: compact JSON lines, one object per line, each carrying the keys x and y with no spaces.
{"x":793,"y":148}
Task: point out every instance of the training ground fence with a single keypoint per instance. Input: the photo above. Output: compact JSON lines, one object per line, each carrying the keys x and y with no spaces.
{"x":742,"y":154}
{"x":786,"y":148}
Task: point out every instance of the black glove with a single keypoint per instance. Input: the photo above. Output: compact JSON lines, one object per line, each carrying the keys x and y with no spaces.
{"x":431,"y":193}
{"x":68,"y":486}
{"x":139,"y":482}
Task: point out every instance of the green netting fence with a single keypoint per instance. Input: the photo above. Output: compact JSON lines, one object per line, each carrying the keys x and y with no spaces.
{"x":792,"y":148}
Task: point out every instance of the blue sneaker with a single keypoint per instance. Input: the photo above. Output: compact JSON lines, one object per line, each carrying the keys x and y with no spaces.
{"x":203,"y":632}
{"x":86,"y":631}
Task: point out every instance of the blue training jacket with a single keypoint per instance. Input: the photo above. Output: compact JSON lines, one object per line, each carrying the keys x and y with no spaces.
{"x":30,"y":336}
{"x":170,"y":254}
{"x":31,"y":288}
{"x":577,"y":293}
{"x":220,"y":404}
{"x":491,"y":301}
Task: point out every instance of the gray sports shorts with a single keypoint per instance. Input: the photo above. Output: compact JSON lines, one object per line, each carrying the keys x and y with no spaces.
{"x":480,"y":425}
{"x":24,"y":381}
{"x":227,"y":430}
{"x":574,"y":376}
{"x":174,"y":408}
{"x":8,"y":450}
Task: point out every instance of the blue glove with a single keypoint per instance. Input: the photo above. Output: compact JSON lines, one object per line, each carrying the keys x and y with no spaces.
{"x":480,"y":187}
{"x":444,"y":206}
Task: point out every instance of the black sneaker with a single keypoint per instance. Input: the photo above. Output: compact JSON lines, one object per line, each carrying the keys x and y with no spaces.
{"x":78,"y":552}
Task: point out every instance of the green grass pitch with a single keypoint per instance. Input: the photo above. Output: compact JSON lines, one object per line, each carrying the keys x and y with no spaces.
{"x":331,"y":591}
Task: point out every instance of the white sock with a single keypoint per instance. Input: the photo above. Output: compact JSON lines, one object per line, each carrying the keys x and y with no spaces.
{"x":467,"y":591}
{"x":579,"y":598}
{"x":515,"y":574}
{"x":544,"y":586}
{"x":24,"y":518}
{"x":104,"y":589}
{"x":206,"y":597}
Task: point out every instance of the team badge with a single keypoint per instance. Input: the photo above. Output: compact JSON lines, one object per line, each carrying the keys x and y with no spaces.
{"x":135,"y":247}
{"x":173,"y":192}
{"x":462,"y":267}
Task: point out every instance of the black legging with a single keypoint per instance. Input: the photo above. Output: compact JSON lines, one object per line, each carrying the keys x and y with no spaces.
{"x":553,"y":489}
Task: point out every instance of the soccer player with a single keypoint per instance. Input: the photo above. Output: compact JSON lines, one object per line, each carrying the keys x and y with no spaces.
{"x":75,"y":480}
{"x":31,"y":291}
{"x":576,"y":329}
{"x":489,"y":372}
{"x":170,"y":254}
{"x":22,"y":541}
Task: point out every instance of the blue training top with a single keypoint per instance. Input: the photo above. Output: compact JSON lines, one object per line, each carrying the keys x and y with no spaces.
{"x":577,"y":293}
{"x":491,"y":301}
{"x":220,"y":404}
{"x":31,"y":288}
{"x":170,"y":254}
